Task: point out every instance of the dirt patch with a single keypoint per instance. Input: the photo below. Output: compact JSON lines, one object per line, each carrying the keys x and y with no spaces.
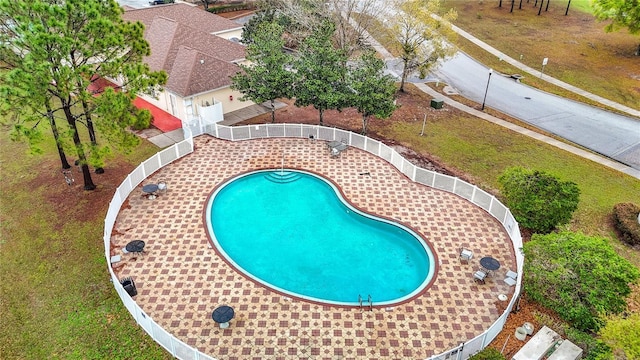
{"x":524,"y":311}
{"x":71,"y":202}
{"x":418,"y":159}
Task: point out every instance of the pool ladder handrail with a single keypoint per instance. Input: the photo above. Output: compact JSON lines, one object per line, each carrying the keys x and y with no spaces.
{"x":369,"y":302}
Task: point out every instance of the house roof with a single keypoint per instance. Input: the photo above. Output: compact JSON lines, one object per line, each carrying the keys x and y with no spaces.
{"x":184,"y":14}
{"x":199,"y":72}
{"x":178,"y":44}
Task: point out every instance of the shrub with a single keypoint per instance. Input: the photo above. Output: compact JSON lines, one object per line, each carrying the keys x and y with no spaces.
{"x":623,"y":334}
{"x":625,"y":219}
{"x":539,"y":201}
{"x":488,"y":354}
{"x":594,"y":349}
{"x":582,"y":278}
{"x":142,"y":120}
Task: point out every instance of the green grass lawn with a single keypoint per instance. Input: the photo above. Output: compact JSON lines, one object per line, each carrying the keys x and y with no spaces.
{"x":56,"y":298}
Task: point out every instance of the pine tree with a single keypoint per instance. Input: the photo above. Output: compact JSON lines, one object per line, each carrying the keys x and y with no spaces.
{"x":58,"y":49}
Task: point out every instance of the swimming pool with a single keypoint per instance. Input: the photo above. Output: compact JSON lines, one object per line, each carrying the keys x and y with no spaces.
{"x":292,"y":231}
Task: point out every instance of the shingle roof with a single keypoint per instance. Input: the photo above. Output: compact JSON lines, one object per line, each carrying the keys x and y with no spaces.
{"x":184,"y":14}
{"x":177,"y":47}
{"x":199,"y":72}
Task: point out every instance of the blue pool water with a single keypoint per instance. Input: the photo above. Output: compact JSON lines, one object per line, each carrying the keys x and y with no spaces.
{"x":291,"y":231}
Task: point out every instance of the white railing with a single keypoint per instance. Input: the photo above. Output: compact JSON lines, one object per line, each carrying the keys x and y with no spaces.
{"x":431,"y":178}
{"x":443,"y":182}
{"x":172,"y":344}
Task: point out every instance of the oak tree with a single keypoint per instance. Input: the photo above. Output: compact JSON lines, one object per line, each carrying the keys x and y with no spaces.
{"x":267,"y":77}
{"x":621,"y":13}
{"x":372,"y":92}
{"x":352,"y":19}
{"x":321,"y":72}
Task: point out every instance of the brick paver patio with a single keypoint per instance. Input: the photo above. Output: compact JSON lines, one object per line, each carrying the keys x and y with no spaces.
{"x":181,"y":278}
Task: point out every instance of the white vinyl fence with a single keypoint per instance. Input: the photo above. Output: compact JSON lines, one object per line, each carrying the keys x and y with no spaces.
{"x":443,"y":182}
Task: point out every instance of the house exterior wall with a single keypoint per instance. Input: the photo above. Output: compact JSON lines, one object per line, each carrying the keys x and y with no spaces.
{"x":236,"y":33}
{"x":163,"y":101}
{"x":222,"y":95}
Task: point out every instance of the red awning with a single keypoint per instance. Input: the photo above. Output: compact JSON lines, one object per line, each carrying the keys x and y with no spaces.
{"x":98,"y":85}
{"x":164,"y":121}
{"x":160,"y":118}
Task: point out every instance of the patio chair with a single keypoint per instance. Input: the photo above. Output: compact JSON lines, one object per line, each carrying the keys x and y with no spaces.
{"x":465,"y":255}
{"x":479,"y":276}
{"x":129,"y":286}
{"x":511,"y":278}
{"x":162,"y":186}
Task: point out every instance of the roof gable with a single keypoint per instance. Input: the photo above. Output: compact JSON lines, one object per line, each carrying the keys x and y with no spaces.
{"x":199,"y":72}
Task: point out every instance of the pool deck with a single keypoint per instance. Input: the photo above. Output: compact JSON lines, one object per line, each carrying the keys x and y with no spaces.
{"x":181,"y":279}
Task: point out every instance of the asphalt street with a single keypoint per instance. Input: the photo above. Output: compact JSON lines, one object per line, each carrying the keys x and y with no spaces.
{"x":610,"y":134}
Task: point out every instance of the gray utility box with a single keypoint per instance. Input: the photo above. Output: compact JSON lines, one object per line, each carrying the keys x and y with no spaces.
{"x":436,"y":104}
{"x":538,"y":345}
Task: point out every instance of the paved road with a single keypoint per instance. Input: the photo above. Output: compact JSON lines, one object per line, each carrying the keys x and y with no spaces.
{"x":604,"y":132}
{"x":615,"y":136}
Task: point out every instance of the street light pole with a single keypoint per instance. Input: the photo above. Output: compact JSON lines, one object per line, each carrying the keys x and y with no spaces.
{"x":487,"y":89}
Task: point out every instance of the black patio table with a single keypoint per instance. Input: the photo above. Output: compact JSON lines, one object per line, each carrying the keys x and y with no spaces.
{"x":489,"y":263}
{"x":135,"y":246}
{"x":150,"y":188}
{"x":222,"y":315}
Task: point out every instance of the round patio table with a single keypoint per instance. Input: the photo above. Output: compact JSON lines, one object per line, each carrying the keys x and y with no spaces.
{"x":135,"y":246}
{"x":150,"y":189}
{"x":489,"y":263}
{"x":222,"y":315}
